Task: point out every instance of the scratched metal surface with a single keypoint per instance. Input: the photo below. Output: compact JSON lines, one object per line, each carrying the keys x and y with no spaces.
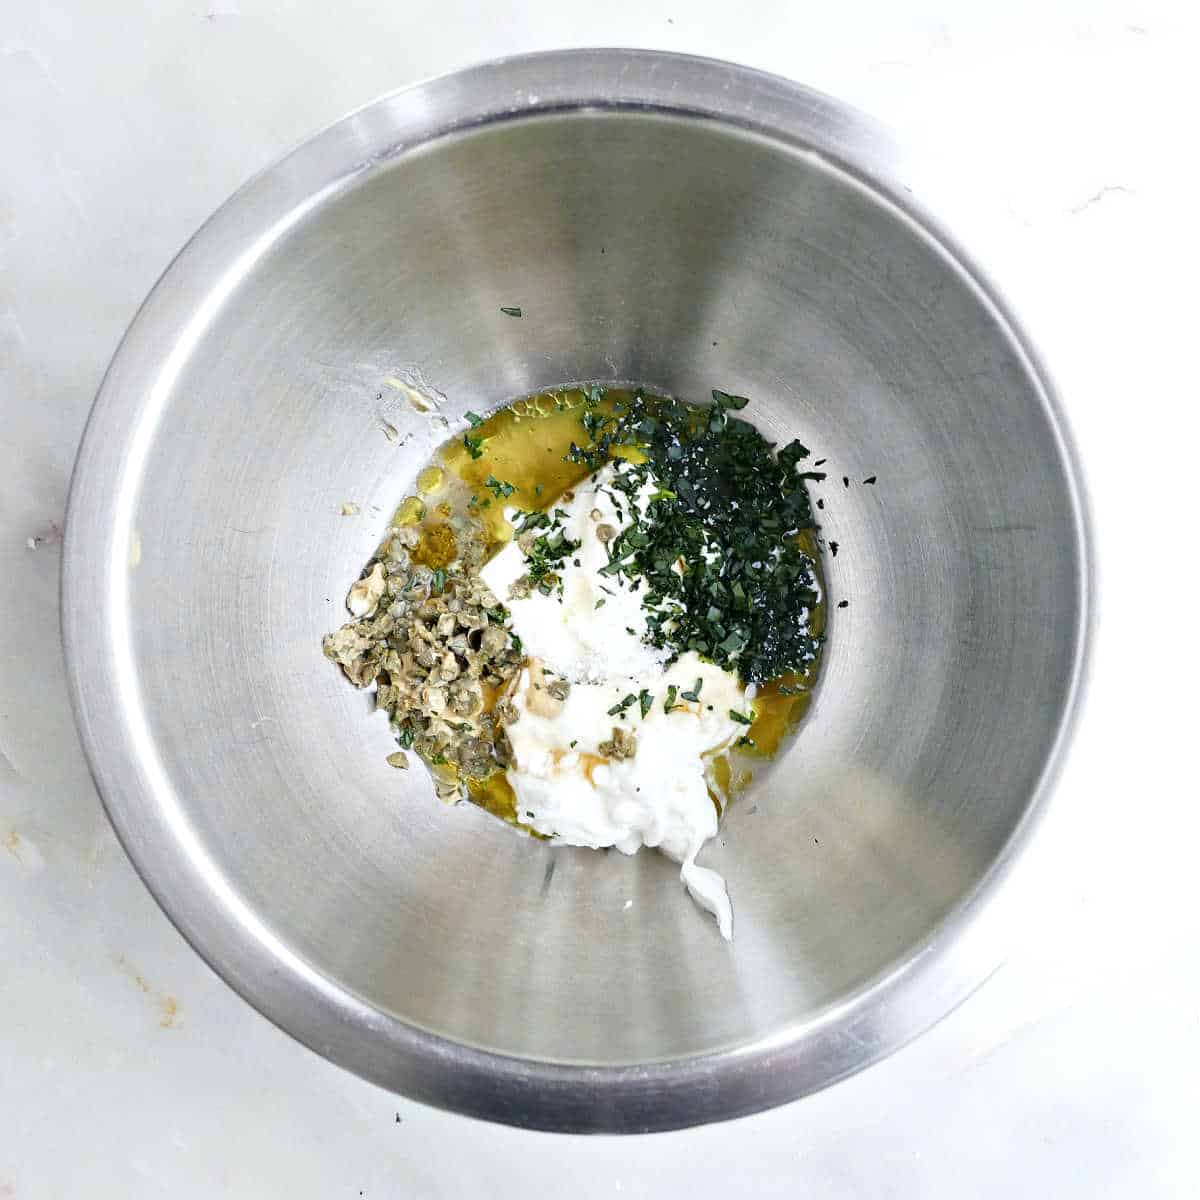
{"x":1074,"y":1066}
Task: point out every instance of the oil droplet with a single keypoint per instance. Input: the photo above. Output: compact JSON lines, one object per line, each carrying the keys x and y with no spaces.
{"x":411,"y":511}
{"x":429,"y":480}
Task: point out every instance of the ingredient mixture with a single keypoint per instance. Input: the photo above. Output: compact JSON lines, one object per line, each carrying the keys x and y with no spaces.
{"x":611,"y":608}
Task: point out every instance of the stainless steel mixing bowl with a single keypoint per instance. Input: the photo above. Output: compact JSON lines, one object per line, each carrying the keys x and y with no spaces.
{"x":678,"y":222}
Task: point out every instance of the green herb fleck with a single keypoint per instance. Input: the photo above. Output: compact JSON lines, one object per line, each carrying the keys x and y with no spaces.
{"x":740,"y":717}
{"x":619,"y":708}
{"x":669,"y":702}
{"x":475,"y":419}
{"x":725,"y":400}
{"x":645,"y":700}
{"x":499,"y":487}
{"x":694,"y":694}
{"x":474,"y":444}
{"x":510,"y":312}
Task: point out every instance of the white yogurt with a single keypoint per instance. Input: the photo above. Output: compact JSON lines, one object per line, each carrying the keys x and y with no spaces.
{"x":567,"y":788}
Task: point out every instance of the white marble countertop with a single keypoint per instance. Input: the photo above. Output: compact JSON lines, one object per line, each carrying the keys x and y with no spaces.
{"x":128,"y":1069}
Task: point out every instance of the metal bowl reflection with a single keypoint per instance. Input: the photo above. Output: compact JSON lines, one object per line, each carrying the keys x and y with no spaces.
{"x":682,"y":223}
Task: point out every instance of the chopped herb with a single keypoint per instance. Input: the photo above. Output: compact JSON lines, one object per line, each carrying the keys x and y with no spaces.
{"x":601,"y":602}
{"x":791,"y":689}
{"x":843,"y":604}
{"x":820,"y":462}
{"x":729,"y":508}
{"x":548,"y":553}
{"x":439,"y":581}
{"x":740,"y":717}
{"x":619,"y":708}
{"x":694,"y":694}
{"x":499,"y":487}
{"x":510,"y":312}
{"x":669,"y":702}
{"x":475,"y":419}
{"x":833,"y":549}
{"x":791,"y":454}
{"x":474,"y":444}
{"x":571,"y":745}
{"x":725,"y":400}
{"x":870,"y":479}
{"x":845,"y":481}
{"x":645,"y":700}
{"x":405,"y":737}
{"x":746,"y":741}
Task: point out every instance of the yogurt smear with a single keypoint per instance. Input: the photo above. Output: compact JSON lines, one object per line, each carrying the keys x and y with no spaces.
{"x":583,"y":774}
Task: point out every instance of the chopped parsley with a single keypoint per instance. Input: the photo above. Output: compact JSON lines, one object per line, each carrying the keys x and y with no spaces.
{"x":740,"y":717}
{"x":669,"y":702}
{"x":499,"y":487}
{"x":548,"y":552}
{"x":725,"y":400}
{"x":714,"y":549}
{"x":618,"y":709}
{"x":475,"y":419}
{"x":645,"y":701}
{"x":510,"y":311}
{"x":474,"y":444}
{"x":694,"y":694}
